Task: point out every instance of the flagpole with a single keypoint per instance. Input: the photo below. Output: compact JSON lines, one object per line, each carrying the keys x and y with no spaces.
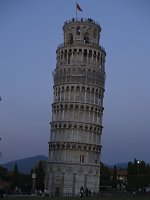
{"x":76,"y":10}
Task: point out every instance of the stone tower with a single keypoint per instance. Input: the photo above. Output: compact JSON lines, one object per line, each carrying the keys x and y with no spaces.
{"x":77,"y":110}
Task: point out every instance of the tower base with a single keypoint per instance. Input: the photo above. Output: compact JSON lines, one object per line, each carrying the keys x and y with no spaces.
{"x":65,"y":179}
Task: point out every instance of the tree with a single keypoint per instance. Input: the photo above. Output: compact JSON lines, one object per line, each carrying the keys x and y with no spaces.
{"x":138,"y":175}
{"x":40,"y":175}
{"x":4,"y":175}
{"x":114,"y":178}
{"x":25,"y":183}
{"x":15,"y":177}
{"x":105,"y":176}
{"x":130,"y":168}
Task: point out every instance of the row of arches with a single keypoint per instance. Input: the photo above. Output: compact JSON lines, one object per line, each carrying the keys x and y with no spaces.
{"x":78,"y":93}
{"x":75,"y":135}
{"x":74,"y":145}
{"x":77,"y":116}
{"x":79,"y":80}
{"x":77,"y":112}
{"x":78,"y":70}
{"x":62,"y":53}
{"x":82,"y":126}
{"x":80,"y":75}
{"x":82,"y":107}
{"x":73,"y":132}
{"x":78,"y":87}
{"x":80,"y":56}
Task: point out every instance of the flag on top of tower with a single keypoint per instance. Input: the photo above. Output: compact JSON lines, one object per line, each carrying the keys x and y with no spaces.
{"x":78,"y":7}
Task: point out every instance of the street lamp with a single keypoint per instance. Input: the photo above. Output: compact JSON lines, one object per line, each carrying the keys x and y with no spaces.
{"x":138,"y":173}
{"x":138,"y":162}
{"x":33,"y":182}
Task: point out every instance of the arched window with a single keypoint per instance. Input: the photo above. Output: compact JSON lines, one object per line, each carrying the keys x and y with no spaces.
{"x":80,"y":51}
{"x":69,"y":55}
{"x":85,"y":53}
{"x":65,"y":55}
{"x":90,"y":53}
{"x":70,"y":38}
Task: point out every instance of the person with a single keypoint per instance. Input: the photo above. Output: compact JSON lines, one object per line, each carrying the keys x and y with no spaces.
{"x":81,"y":191}
{"x":87,"y":192}
{"x":1,"y":192}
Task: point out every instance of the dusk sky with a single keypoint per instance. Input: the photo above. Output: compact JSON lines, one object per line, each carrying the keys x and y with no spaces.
{"x":31,"y":31}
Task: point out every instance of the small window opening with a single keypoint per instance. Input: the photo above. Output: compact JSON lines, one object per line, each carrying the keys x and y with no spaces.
{"x":78,"y":30}
{"x":86,"y":38}
{"x":71,"y":38}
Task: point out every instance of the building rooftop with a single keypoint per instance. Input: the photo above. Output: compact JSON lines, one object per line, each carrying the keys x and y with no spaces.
{"x":80,"y":20}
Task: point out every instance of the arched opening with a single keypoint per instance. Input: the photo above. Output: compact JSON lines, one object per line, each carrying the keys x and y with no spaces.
{"x":85,"y":53}
{"x":90,"y":53}
{"x":65,"y":55}
{"x":80,"y":51}
{"x":70,"y":38}
{"x":69,"y":55}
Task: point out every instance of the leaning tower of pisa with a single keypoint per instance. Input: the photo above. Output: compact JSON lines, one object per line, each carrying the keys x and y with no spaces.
{"x":77,"y":110}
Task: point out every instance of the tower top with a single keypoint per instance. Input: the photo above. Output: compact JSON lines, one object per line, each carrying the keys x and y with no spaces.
{"x":84,"y":31}
{"x":81,"y":20}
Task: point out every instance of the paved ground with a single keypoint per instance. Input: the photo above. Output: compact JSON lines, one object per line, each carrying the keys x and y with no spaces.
{"x":112,"y":197}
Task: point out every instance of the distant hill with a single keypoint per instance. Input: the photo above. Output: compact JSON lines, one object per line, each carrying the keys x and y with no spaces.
{"x":121,"y":165}
{"x":25,"y":164}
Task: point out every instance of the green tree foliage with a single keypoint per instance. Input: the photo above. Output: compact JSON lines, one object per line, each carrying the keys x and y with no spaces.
{"x":105,"y":176}
{"x":23,"y":182}
{"x":130,"y":168}
{"x":40,"y":175}
{"x":114,"y":178}
{"x":135,"y":167}
{"x":20,"y":182}
{"x":4,"y":174}
{"x":138,"y":175}
{"x":15,"y":177}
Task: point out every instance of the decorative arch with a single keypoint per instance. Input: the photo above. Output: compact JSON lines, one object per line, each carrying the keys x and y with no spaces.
{"x":70,"y":36}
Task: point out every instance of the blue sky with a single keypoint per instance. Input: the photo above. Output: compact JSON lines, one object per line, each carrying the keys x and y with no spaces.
{"x":30,"y":32}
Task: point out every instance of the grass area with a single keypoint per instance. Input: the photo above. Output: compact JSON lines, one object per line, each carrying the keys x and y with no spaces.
{"x":115,"y":197}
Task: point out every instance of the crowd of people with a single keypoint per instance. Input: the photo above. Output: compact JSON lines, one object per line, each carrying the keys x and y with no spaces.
{"x":85,"y":192}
